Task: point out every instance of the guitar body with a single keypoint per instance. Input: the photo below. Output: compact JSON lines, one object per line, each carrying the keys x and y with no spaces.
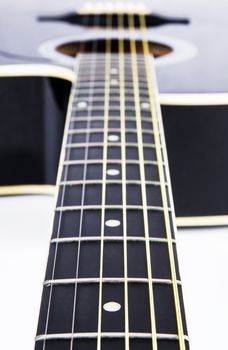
{"x":37,"y":47}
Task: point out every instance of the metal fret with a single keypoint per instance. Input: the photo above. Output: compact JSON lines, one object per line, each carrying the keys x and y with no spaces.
{"x":114,"y":60}
{"x":110,"y":182}
{"x":114,"y":335}
{"x":127,"y":80}
{"x":127,"y":119}
{"x":143,"y":86}
{"x":67,"y":281}
{"x":110,"y":161}
{"x":114,"y":66}
{"x":110,"y":144}
{"x":102,"y":84}
{"x":114,"y":207}
{"x":115,"y":99}
{"x":109,"y":238}
{"x":111,"y":130}
{"x":115,"y":90}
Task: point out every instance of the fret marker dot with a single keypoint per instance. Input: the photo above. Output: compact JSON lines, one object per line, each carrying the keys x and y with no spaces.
{"x":145,"y":105}
{"x":114,"y":82}
{"x":113,"y":138}
{"x":112,"y":223}
{"x":113,"y":172}
{"x":82,"y":105}
{"x":112,"y":306}
{"x":114,"y":71}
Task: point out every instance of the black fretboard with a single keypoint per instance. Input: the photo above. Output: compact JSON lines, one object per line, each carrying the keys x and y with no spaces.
{"x":112,"y":279}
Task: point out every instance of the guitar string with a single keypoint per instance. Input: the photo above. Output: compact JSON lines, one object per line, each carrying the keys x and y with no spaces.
{"x":133,"y":50}
{"x":105,"y":153}
{"x":123,"y":170}
{"x":65,"y":155}
{"x":88,"y":133}
{"x":155,"y":122}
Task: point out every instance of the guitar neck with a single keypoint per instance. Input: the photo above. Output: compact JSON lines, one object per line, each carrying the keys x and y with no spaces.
{"x":112,"y":278}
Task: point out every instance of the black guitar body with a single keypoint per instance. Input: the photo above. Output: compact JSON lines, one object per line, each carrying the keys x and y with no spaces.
{"x":196,"y":137}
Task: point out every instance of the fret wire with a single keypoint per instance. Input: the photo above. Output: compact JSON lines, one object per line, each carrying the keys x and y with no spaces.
{"x":113,"y":207}
{"x":115,"y":58}
{"x":111,"y":107}
{"x":114,"y":99}
{"x":100,"y":71}
{"x":115,"y":61}
{"x":110,"y":144}
{"x":143,"y":187}
{"x":113,"y":280}
{"x":93,"y":335}
{"x":109,"y":161}
{"x":105,"y":156}
{"x":103,"y":83}
{"x":114,"y":89}
{"x":111,"y":118}
{"x":111,"y":130}
{"x":124,"y":176}
{"x":114,"y":118}
{"x":109,"y":238}
{"x":98,"y":79}
{"x":95,"y":131}
{"x":102,"y":91}
{"x":112,"y":182}
{"x":155,"y":112}
{"x":84,"y":72}
{"x":115,"y":64}
{"x":102,"y":86}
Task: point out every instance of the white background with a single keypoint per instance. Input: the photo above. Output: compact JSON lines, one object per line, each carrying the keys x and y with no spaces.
{"x":25,"y":224}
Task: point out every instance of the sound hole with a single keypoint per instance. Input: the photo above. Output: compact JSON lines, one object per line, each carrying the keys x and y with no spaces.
{"x":73,"y":48}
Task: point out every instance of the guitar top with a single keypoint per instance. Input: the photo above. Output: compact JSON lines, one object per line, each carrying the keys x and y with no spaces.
{"x":193,"y":36}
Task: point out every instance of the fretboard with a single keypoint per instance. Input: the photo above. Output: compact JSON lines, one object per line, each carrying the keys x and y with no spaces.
{"x":112,"y":279}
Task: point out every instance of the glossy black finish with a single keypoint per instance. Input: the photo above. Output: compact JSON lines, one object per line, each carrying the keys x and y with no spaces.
{"x":197,"y":143}
{"x":31,"y":135}
{"x":32,"y":114}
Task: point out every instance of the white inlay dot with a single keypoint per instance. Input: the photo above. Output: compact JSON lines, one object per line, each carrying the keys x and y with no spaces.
{"x":113,"y":138}
{"x":82,"y":105}
{"x":114,"y":71}
{"x":114,"y":82}
{"x":145,"y":105}
{"x":113,"y":172}
{"x":112,"y":306}
{"x":112,"y":223}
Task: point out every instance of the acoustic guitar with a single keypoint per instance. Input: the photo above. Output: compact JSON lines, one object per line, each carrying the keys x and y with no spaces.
{"x":125,"y":103}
